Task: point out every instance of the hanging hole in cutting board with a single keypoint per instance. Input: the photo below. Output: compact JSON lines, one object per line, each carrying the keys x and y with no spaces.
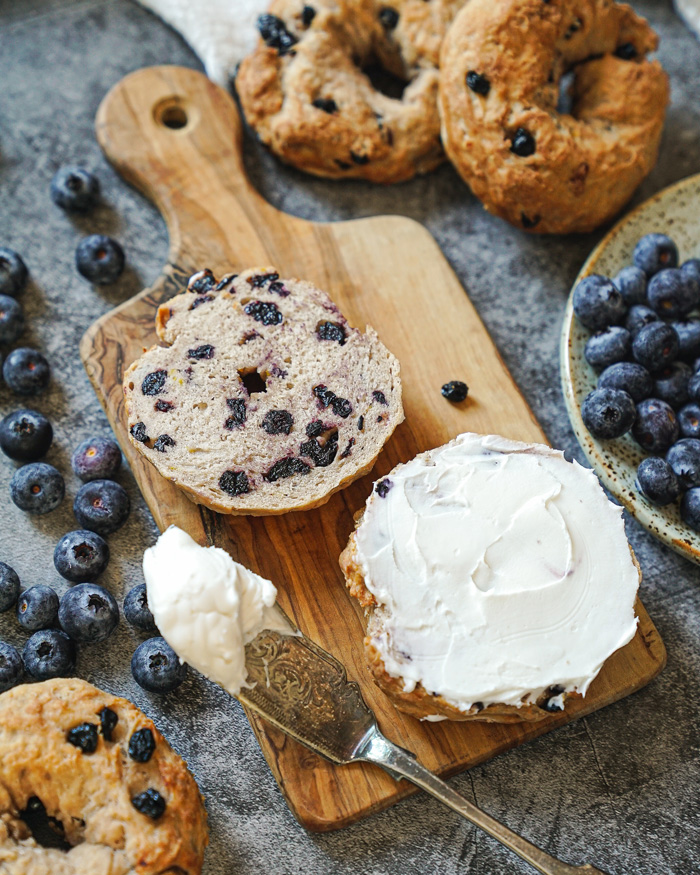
{"x":171,"y":113}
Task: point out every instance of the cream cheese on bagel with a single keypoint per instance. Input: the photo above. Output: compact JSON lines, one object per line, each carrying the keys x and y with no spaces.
{"x":499,"y":570}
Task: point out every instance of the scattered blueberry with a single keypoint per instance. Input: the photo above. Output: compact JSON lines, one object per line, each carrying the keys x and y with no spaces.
{"x":150,"y":802}
{"x":37,"y":488}
{"x":11,"y":666}
{"x":49,"y":653}
{"x":655,"y":252}
{"x":101,"y":506}
{"x":638,"y":316}
{"x":13,"y":272}
{"x":455,"y":391}
{"x":690,"y":508}
{"x":689,"y":420}
{"x":684,"y":458}
{"x":81,"y":556}
{"x":37,"y":607}
{"x":26,"y":371}
{"x":11,"y":320}
{"x":25,"y":435}
{"x":688,"y":331}
{"x":656,"y":346}
{"x":630,"y":377}
{"x":136,"y":610}
{"x":75,"y":189}
{"x":656,"y":426}
{"x":671,"y":384}
{"x":97,"y":458}
{"x":657,"y":481}
{"x":9,"y":587}
{"x":88,"y":613}
{"x":608,"y":346}
{"x":141,"y":745}
{"x":597,"y":303}
{"x":672,"y":294}
{"x":156,"y":667}
{"x":99,"y":259}
{"x":84,"y":736}
{"x":632,"y":284}
{"x":608,"y":413}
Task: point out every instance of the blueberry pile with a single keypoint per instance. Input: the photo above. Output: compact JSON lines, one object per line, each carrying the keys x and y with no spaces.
{"x":646,"y":347}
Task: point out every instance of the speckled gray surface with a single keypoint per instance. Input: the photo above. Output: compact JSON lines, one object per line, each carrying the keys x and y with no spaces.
{"x":619,"y":788}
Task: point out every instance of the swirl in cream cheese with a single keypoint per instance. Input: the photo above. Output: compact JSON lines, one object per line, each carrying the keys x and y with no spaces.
{"x":499,"y":569}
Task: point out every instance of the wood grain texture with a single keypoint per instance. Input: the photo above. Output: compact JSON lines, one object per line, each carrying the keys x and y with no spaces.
{"x":387,"y":271}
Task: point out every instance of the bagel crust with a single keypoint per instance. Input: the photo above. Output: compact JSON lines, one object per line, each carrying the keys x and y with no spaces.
{"x":304,"y":92}
{"x":540,"y":169}
{"x":90,"y":793}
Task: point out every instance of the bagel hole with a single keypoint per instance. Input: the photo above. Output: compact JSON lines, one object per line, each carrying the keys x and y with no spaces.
{"x":46,"y":831}
{"x":384,"y":81}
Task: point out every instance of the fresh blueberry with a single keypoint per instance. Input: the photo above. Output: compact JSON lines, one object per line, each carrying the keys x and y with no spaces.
{"x":684,"y":458}
{"x":639,"y":315}
{"x":49,"y":653}
{"x":657,"y":481}
{"x":597,"y":303}
{"x":97,"y":458}
{"x":672,"y":294}
{"x":608,"y":346}
{"x":37,"y":488}
{"x":671,"y":384}
{"x":656,"y":426}
{"x":25,"y":435}
{"x":630,"y":377}
{"x":608,"y":413}
{"x":691,"y":268}
{"x":656,"y":346}
{"x":11,"y":666}
{"x":75,"y":189}
{"x":88,"y":613}
{"x":689,"y":420}
{"x":655,"y":252}
{"x":37,"y":607}
{"x":99,"y":259}
{"x":11,"y":320}
{"x":136,"y":610}
{"x":688,"y":331}
{"x":9,"y":587}
{"x":26,"y":371}
{"x":101,"y":506}
{"x":690,"y":509}
{"x":694,"y":387}
{"x":156,"y":667}
{"x":13,"y":272}
{"x":632,"y":284}
{"x":81,"y":556}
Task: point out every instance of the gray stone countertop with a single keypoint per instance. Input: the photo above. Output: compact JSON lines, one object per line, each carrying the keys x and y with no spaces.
{"x":618,"y":788}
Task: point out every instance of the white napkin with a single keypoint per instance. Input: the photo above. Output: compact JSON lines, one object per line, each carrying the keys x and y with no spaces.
{"x":689,"y":10}
{"x":220,"y":32}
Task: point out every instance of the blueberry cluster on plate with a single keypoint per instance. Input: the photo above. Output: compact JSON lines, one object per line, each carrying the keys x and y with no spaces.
{"x":645,"y":345}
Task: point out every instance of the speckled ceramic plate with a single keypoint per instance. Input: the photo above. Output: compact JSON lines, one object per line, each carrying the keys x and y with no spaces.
{"x":674,"y":211}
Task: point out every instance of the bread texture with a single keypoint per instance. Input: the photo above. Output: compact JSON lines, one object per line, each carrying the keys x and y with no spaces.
{"x":89,"y":793}
{"x":264,"y":400}
{"x":311,"y":95}
{"x":544,"y":170}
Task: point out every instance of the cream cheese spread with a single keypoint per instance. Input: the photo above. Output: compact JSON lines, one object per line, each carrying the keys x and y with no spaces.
{"x":499,"y":569}
{"x":206,"y":606}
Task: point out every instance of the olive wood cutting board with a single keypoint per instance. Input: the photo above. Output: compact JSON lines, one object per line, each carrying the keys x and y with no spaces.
{"x":177,"y":137}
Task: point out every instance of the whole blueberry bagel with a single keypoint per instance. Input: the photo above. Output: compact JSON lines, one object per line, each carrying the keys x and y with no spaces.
{"x":541,"y":169}
{"x":100,"y":776}
{"x":348,"y":88}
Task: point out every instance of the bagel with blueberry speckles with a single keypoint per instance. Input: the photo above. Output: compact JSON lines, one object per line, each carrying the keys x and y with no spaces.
{"x":309,"y":93}
{"x":94,"y":770}
{"x":540,"y":169}
{"x":265,"y":399}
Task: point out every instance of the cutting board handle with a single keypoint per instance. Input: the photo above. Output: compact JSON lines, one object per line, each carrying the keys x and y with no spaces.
{"x":177,"y":137}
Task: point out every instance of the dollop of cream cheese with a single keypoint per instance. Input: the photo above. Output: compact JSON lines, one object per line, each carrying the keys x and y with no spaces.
{"x":206,"y":606}
{"x":500,"y":570}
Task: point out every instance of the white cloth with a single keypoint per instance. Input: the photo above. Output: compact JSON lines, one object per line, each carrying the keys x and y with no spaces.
{"x":220,"y":32}
{"x":689,"y":10}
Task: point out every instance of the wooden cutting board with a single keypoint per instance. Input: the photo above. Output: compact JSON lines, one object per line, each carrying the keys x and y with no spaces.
{"x":177,"y":137}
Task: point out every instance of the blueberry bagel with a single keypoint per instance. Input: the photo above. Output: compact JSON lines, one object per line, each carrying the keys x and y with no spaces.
{"x":541,"y":169}
{"x":265,"y":400}
{"x":310,"y":90}
{"x":91,"y":771}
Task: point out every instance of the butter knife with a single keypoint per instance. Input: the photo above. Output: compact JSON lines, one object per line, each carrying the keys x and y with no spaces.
{"x":301,"y":689}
